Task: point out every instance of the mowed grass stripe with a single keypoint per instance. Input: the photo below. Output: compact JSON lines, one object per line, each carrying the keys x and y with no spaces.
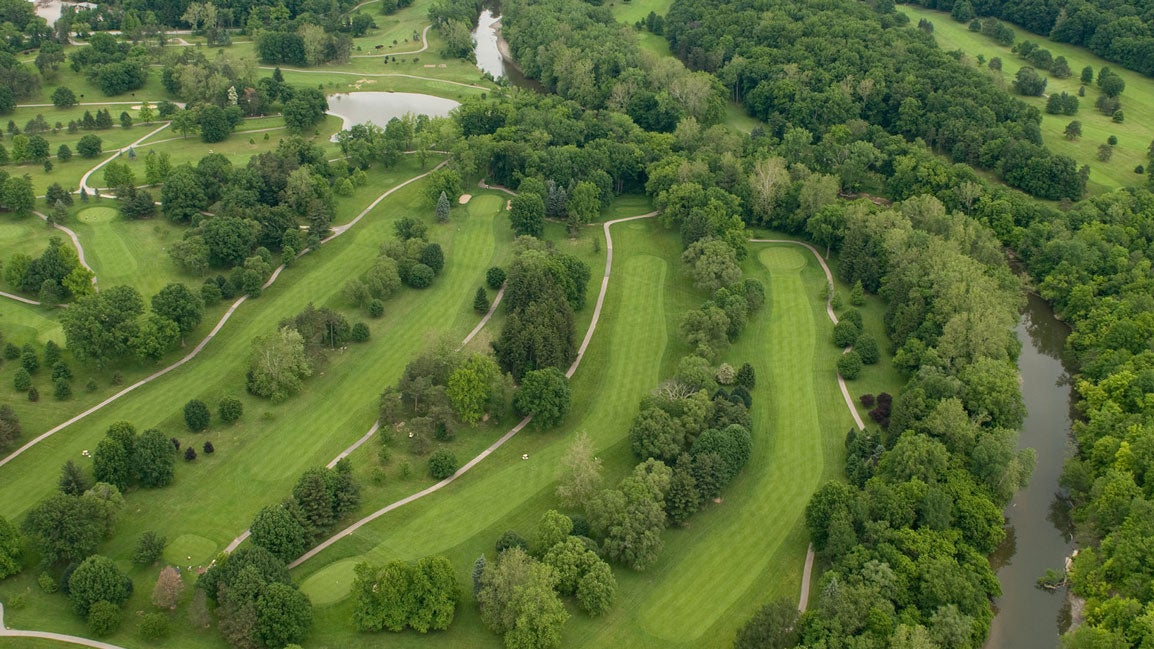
{"x":498,"y":489}
{"x":264,"y":453}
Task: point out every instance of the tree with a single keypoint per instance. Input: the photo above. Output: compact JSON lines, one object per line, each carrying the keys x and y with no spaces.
{"x":278,"y":531}
{"x":845,"y":332}
{"x":584,"y":205}
{"x":517,"y":600}
{"x":655,"y":434}
{"x":10,"y":542}
{"x":64,"y":528}
{"x":183,"y":195}
{"x":89,"y":146}
{"x":1073,"y":130}
{"x":18,"y":196}
{"x":149,"y":547}
{"x":125,"y":120}
{"x":683,"y":499}
{"x":155,"y":459}
{"x":189,"y":454}
{"x":435,"y":594}
{"x":597,"y":589}
{"x":849,"y":365}
{"x":72,"y":481}
{"x":442,"y":464}
{"x":169,"y":586}
{"x":773,"y":626}
{"x":154,"y":627}
{"x":64,"y":153}
{"x":113,"y":459}
{"x":714,"y":264}
{"x":21,"y":380}
{"x":214,"y":124}
{"x":63,"y":97}
{"x":1029,"y":83}
{"x":581,"y":476}
{"x":277,"y":365}
{"x":1087,"y":75}
{"x":97,"y":579}
{"x":553,"y":528}
{"x":630,"y":519}
{"x":284,"y":615}
{"x":177,"y":303}
{"x":481,"y":301}
{"x":443,"y":208}
{"x":305,"y":110}
{"x":1105,"y":152}
{"x":100,"y":327}
{"x":1112,"y":85}
{"x":495,"y":276}
{"x":230,"y":409}
{"x":196,"y":415}
{"x":544,"y":395}
{"x":527,"y":215}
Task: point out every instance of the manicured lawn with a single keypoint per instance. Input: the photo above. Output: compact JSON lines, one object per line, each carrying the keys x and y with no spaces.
{"x":125,"y":251}
{"x":695,"y":595}
{"x":28,"y":235}
{"x":1134,"y":135}
{"x":272,"y":444}
{"x":634,"y":10}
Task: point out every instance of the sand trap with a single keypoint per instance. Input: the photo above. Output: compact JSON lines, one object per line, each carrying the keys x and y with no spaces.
{"x":465,"y":198}
{"x":508,"y":204}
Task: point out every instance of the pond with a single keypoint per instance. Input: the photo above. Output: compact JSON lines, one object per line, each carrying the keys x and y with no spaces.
{"x":379,"y":107}
{"x":1028,"y":617}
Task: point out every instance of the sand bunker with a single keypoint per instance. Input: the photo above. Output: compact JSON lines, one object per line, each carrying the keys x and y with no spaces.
{"x":465,"y":198}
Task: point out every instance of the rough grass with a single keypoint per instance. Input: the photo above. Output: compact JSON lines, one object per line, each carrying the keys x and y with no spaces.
{"x":1134,"y":135}
{"x":630,"y":11}
{"x":125,"y":251}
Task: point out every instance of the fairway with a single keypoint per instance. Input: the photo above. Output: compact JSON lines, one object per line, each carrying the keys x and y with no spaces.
{"x":126,"y":251}
{"x":1134,"y":135}
{"x":704,"y":593}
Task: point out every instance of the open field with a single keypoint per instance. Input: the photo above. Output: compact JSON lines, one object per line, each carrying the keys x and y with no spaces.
{"x":1134,"y":135}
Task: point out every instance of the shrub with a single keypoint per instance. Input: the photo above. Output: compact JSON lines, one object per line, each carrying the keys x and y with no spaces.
{"x":149,"y":547}
{"x":62,"y":389}
{"x":103,"y":618}
{"x":209,"y":449}
{"x":495,"y":277}
{"x":359,"y":333}
{"x":443,"y":464}
{"x":376,"y":308}
{"x":33,"y":394}
{"x":153,"y":627}
{"x":189,"y":454}
{"x":746,"y":377}
{"x":21,"y":380}
{"x":196,"y":415}
{"x":419,"y":276}
{"x":866,"y":347}
{"x":867,"y":400}
{"x":845,"y":333}
{"x":849,"y":366}
{"x":90,"y":386}
{"x":511,"y":539}
{"x":230,"y":409}
{"x":47,"y":583}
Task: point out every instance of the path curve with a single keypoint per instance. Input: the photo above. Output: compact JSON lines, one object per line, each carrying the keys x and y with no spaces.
{"x":499,"y":188}
{"x":377,"y":424}
{"x":84,"y":179}
{"x":196,"y":350}
{"x":58,"y":637}
{"x":75,"y":242}
{"x":504,"y":438}
{"x":803,"y":600}
{"x":380,"y":74}
{"x":424,"y":45}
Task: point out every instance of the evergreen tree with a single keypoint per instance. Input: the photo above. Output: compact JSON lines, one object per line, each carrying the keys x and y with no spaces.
{"x":443,"y":208}
{"x":481,"y":301}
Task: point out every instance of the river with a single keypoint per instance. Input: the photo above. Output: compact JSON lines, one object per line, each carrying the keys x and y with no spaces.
{"x":492,"y":52}
{"x":1028,"y":617}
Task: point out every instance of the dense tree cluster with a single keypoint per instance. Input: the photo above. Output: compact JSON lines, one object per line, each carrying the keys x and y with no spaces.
{"x":124,"y":458}
{"x":1092,"y":264}
{"x":56,"y":274}
{"x":320,"y":499}
{"x":1116,"y":32}
{"x":400,"y":595}
{"x":882,"y":72}
{"x":66,"y":527}
{"x":542,"y":290}
{"x":258,"y":606}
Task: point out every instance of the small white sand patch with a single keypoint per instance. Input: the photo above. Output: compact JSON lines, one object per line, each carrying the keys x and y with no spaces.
{"x":465,"y":198}
{"x":508,"y":205}
{"x":431,"y":65}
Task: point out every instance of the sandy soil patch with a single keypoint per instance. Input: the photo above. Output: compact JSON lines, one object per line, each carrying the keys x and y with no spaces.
{"x":465,"y":198}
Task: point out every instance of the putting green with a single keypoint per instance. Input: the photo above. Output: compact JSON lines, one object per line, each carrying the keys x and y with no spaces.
{"x":331,"y":584}
{"x":97,"y":215}
{"x":784,"y":258}
{"x":190,"y":549}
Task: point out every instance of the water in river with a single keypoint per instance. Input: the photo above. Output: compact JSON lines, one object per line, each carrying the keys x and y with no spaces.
{"x":1027,"y":617}
{"x":485,"y":44}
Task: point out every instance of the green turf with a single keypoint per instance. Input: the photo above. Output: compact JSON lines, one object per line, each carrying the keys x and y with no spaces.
{"x":634,"y":10}
{"x":190,"y":549}
{"x":1134,"y":135}
{"x":28,"y":235}
{"x":126,"y":251}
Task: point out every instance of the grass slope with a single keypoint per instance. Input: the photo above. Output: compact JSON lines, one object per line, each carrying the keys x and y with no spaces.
{"x":1134,"y":135}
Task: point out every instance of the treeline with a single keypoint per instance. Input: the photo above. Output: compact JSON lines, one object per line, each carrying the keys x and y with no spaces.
{"x":1117,"y":32}
{"x":1093,"y":264}
{"x":881,"y":72}
{"x":580,"y":52}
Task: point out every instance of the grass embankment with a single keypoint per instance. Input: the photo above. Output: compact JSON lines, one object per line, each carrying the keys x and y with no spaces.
{"x":696,"y":595}
{"x":258,"y":459}
{"x":1134,"y":135}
